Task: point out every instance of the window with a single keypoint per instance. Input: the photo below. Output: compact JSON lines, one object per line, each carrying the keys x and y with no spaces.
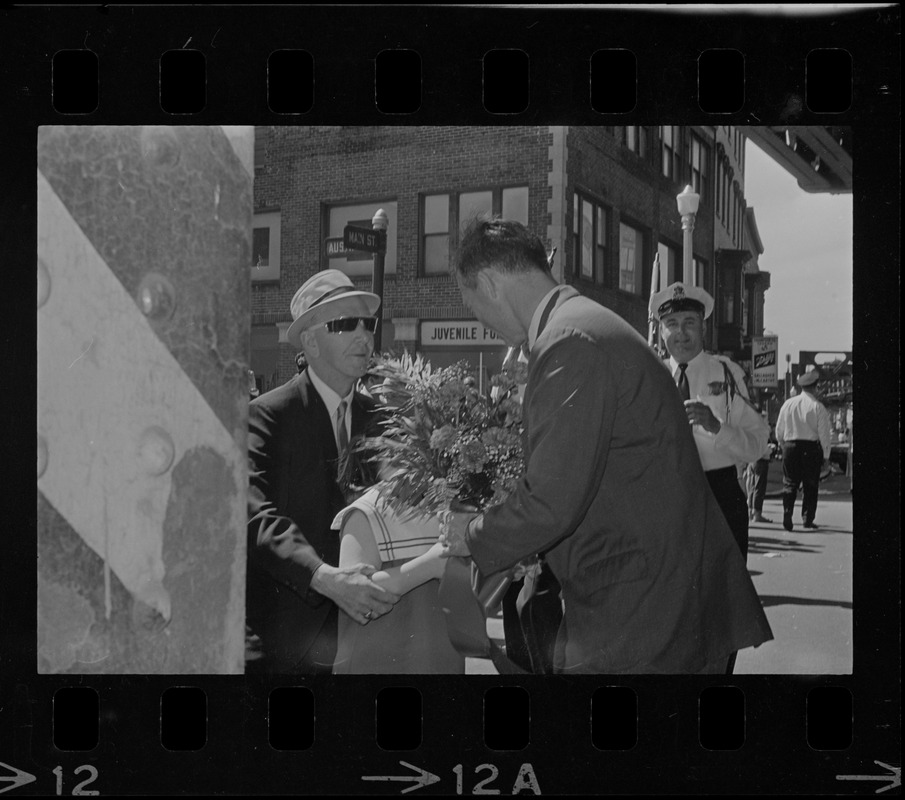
{"x":700,"y":158}
{"x":701,"y":274}
{"x":718,"y":187}
{"x":671,"y":265}
{"x":671,"y":154}
{"x":472,"y":205}
{"x":631,"y":259}
{"x":727,"y":197}
{"x":435,"y":242}
{"x":637,"y":139}
{"x":728,"y":294}
{"x":589,"y":238}
{"x":265,"y":246}
{"x":445,"y":215}
{"x":359,"y":263}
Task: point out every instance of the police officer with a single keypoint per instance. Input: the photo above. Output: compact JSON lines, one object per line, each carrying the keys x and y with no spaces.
{"x":728,"y":430}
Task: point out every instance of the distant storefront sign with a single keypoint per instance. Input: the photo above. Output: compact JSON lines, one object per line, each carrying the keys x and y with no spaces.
{"x":458,"y":333}
{"x":764,"y":361}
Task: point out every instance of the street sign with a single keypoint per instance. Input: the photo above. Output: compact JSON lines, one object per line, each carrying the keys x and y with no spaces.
{"x":336,"y":247}
{"x":368,"y":239}
{"x":763,"y":361}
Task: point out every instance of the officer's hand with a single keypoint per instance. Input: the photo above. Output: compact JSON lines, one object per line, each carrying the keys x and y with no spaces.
{"x":353,"y":591}
{"x":699,"y":413}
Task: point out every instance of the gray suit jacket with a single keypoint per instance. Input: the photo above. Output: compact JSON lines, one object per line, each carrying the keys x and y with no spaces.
{"x":615,"y":496}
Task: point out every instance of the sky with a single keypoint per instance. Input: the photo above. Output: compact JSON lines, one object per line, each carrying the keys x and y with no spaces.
{"x":807,"y":241}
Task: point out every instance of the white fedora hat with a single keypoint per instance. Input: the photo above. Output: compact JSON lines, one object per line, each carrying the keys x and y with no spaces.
{"x":318,"y":292}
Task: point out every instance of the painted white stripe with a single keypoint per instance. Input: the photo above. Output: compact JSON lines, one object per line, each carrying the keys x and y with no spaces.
{"x":242,"y":139}
{"x":104,"y":380}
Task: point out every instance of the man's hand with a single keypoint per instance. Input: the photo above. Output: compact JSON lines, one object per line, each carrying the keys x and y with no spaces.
{"x":699,"y":413}
{"x":453,"y":525}
{"x":353,"y":591}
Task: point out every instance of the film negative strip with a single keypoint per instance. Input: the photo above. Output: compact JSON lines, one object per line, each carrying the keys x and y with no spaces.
{"x":169,"y":142}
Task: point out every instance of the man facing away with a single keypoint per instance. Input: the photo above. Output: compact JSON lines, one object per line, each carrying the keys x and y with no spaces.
{"x":613,"y":497}
{"x":296,"y":434}
{"x":803,"y":432}
{"x":728,"y":430}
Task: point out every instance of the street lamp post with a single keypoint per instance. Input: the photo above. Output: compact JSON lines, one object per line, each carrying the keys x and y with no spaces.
{"x":380,"y":222}
{"x":687,"y":202}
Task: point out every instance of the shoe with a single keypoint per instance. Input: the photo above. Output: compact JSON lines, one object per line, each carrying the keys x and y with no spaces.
{"x":755,"y":517}
{"x":811,"y":526}
{"x":787,"y":521}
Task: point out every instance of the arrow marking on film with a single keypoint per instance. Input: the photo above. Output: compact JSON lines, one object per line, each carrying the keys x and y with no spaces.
{"x":423,"y":778}
{"x":895,"y":777}
{"x":18,"y":778}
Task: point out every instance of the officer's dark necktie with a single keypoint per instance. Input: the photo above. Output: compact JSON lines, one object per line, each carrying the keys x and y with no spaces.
{"x":342,"y":437}
{"x":682,"y":382}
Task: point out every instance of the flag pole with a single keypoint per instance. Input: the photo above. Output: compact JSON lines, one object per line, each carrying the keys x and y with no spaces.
{"x":653,"y":325}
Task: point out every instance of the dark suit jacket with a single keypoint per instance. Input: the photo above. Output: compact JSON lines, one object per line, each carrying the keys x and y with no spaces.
{"x":293,"y":498}
{"x":615,"y":496}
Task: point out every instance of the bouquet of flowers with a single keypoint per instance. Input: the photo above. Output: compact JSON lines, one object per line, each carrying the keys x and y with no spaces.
{"x":444,"y":443}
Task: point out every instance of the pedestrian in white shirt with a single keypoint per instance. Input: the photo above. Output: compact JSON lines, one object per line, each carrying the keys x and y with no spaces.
{"x":803,"y":432}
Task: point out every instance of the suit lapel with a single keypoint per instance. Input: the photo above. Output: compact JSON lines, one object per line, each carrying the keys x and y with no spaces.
{"x":319,"y":418}
{"x":564,"y":294}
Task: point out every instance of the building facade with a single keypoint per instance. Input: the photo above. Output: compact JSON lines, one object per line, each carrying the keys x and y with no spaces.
{"x":603,"y":196}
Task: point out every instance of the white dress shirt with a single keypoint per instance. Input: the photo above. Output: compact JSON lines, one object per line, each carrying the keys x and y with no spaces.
{"x":743,"y":433}
{"x":804,"y":417}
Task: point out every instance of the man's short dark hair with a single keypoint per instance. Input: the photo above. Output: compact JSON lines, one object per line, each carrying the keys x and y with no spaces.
{"x":501,"y":243}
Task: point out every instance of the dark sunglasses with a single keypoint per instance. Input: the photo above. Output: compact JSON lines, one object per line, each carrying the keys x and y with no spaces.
{"x":349,"y":324}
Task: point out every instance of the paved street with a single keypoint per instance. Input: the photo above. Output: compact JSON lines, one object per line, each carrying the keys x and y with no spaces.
{"x":804,"y":579}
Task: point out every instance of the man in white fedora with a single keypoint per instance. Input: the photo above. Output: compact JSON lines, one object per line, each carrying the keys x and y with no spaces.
{"x":803,"y":432}
{"x":296,"y":434}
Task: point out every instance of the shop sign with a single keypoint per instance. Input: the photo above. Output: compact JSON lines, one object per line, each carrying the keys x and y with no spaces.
{"x":763,"y":360}
{"x":458,"y":333}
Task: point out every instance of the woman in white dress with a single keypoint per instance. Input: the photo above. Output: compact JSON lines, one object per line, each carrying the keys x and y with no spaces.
{"x":412,"y":638}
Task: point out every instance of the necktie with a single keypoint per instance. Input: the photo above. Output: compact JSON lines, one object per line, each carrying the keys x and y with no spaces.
{"x":342,"y":437}
{"x":682,"y":382}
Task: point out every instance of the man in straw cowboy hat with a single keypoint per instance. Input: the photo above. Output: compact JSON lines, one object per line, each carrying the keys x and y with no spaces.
{"x":803,"y":432}
{"x":296,"y":434}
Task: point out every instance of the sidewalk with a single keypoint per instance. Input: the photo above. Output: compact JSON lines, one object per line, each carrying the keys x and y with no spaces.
{"x":804,"y":580}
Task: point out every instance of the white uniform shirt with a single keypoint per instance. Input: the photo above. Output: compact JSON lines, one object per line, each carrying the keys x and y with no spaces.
{"x":743,"y":432}
{"x":804,"y":417}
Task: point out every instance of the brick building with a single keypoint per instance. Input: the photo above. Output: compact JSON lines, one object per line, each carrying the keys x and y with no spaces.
{"x":604,"y":197}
